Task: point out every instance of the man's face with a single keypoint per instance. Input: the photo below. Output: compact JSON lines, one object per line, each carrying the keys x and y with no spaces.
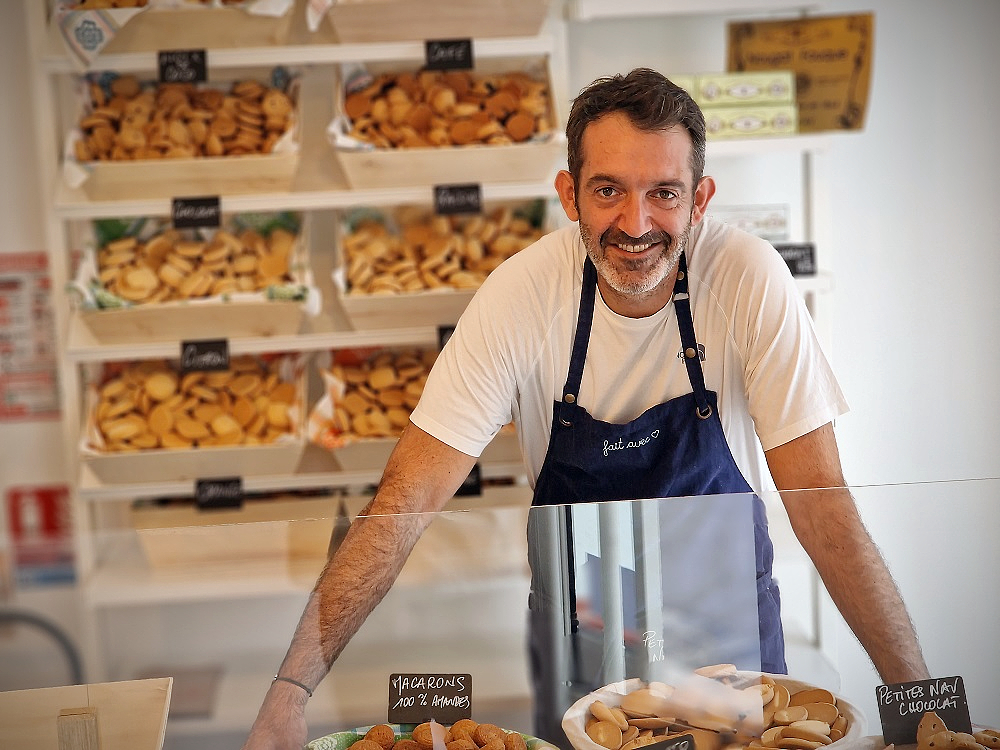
{"x":636,"y":204}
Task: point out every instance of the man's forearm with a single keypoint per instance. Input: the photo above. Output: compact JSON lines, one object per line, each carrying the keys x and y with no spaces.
{"x":354,"y":581}
{"x":856,"y":576}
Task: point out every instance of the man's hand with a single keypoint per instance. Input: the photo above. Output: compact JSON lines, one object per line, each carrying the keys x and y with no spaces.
{"x":826,"y":522}
{"x":422,"y":474}
{"x":281,"y":721}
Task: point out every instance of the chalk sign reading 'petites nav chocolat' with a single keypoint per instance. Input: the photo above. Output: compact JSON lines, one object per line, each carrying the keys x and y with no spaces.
{"x":416,"y":698}
{"x":901,"y":706}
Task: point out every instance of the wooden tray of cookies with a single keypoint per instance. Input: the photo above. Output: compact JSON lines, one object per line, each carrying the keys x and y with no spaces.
{"x":409,"y":267}
{"x":147,"y":422}
{"x":248,"y":278}
{"x":402,"y":20}
{"x":521,"y":141}
{"x":276,"y":528}
{"x":237,"y":134}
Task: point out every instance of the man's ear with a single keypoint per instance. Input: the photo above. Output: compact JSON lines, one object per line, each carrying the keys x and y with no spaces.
{"x":566,"y":189}
{"x":702,"y":195}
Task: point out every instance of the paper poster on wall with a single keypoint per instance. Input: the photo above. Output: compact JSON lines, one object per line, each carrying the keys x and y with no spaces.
{"x":831,"y":57}
{"x":39,"y":522}
{"x":28,"y":383}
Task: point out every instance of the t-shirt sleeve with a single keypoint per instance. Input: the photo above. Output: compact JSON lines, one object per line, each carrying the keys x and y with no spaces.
{"x":469,"y":393}
{"x":791,"y":387}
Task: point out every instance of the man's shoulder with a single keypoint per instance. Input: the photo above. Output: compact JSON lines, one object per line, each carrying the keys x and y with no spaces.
{"x":722,"y":251}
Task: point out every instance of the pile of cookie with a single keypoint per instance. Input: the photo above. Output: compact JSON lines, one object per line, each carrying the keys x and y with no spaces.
{"x":933,"y":734}
{"x":464,"y":734}
{"x":432,"y":251}
{"x":129,"y":120}
{"x":150,"y":405}
{"x":720,"y":714}
{"x":379,"y":393}
{"x":172,"y":265}
{"x":449,"y":108}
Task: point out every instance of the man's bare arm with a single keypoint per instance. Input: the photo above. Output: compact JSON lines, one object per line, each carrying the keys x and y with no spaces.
{"x":827,"y":524}
{"x":422,"y":474}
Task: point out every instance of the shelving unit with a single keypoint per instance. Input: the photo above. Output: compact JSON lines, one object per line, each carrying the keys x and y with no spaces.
{"x":112,"y":572}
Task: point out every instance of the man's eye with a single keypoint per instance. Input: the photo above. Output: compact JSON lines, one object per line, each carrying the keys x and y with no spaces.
{"x":606,"y":192}
{"x":666,"y":195}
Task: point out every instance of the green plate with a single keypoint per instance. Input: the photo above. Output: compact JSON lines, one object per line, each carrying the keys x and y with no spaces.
{"x":343,"y":740}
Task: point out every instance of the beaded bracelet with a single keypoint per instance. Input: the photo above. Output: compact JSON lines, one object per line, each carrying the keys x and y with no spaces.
{"x":293,"y":682}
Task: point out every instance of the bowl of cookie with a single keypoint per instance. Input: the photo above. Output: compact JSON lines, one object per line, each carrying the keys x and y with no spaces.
{"x":468,"y":734}
{"x":718,"y":707}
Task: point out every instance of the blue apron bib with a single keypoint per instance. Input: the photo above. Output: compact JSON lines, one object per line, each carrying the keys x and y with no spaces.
{"x":685,"y":453}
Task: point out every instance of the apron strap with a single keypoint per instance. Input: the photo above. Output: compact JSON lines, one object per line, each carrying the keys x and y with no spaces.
{"x":581,"y":341}
{"x":689,"y":343}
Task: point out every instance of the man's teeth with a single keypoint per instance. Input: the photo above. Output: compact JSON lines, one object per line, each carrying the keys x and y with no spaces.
{"x":636,"y":248}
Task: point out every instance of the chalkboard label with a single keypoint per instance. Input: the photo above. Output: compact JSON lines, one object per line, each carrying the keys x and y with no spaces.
{"x":444,"y":333}
{"x":195,"y":213}
{"x":416,"y":698}
{"x":901,"y":706}
{"x":473,"y":484}
{"x":677,"y":742}
{"x":205,"y":355}
{"x":799,"y":256}
{"x":448,"y":54}
{"x":458,"y":199}
{"x":182,"y":65}
{"x":213,"y":494}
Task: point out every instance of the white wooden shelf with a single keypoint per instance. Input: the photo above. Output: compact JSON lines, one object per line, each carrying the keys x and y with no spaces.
{"x":316,"y":471}
{"x":594,"y":10}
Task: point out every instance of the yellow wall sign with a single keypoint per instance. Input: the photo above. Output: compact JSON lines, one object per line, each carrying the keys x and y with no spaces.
{"x":830,"y":55}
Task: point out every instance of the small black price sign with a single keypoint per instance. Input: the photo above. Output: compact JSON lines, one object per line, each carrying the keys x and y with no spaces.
{"x":473,"y":484}
{"x":799,"y":256}
{"x":901,"y":706}
{"x":676,"y":742}
{"x":458,"y":199}
{"x":195,"y":213}
{"x":204,"y":355}
{"x":448,"y":54}
{"x":214,"y":494}
{"x":416,"y":698}
{"x":444,"y":333}
{"x":182,"y":65}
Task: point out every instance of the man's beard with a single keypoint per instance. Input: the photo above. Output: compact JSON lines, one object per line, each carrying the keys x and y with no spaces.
{"x":638,"y":277}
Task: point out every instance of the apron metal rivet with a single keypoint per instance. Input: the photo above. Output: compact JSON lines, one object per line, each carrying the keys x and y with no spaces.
{"x":569,"y":398}
{"x":680,"y":275}
{"x":690,"y":353}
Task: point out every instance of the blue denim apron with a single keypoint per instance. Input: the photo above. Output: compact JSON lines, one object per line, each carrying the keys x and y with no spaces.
{"x":689,"y":456}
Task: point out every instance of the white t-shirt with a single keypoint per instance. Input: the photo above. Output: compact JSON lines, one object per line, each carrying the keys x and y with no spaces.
{"x":509,"y":356}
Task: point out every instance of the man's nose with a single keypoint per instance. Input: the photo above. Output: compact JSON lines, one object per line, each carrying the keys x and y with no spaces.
{"x":634,"y":219}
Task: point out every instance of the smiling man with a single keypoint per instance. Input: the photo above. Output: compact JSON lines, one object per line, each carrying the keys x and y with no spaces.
{"x":643,"y":325}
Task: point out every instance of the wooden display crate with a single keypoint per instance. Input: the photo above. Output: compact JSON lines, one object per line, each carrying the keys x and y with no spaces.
{"x":191,"y":176}
{"x":441,"y":306}
{"x":156,"y":27}
{"x":367,"y":454}
{"x":174,"y":321}
{"x":205,"y":462}
{"x":273,"y":529}
{"x":535,"y":160}
{"x":235,"y":314}
{"x":128,"y":715}
{"x":400,"y":20}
